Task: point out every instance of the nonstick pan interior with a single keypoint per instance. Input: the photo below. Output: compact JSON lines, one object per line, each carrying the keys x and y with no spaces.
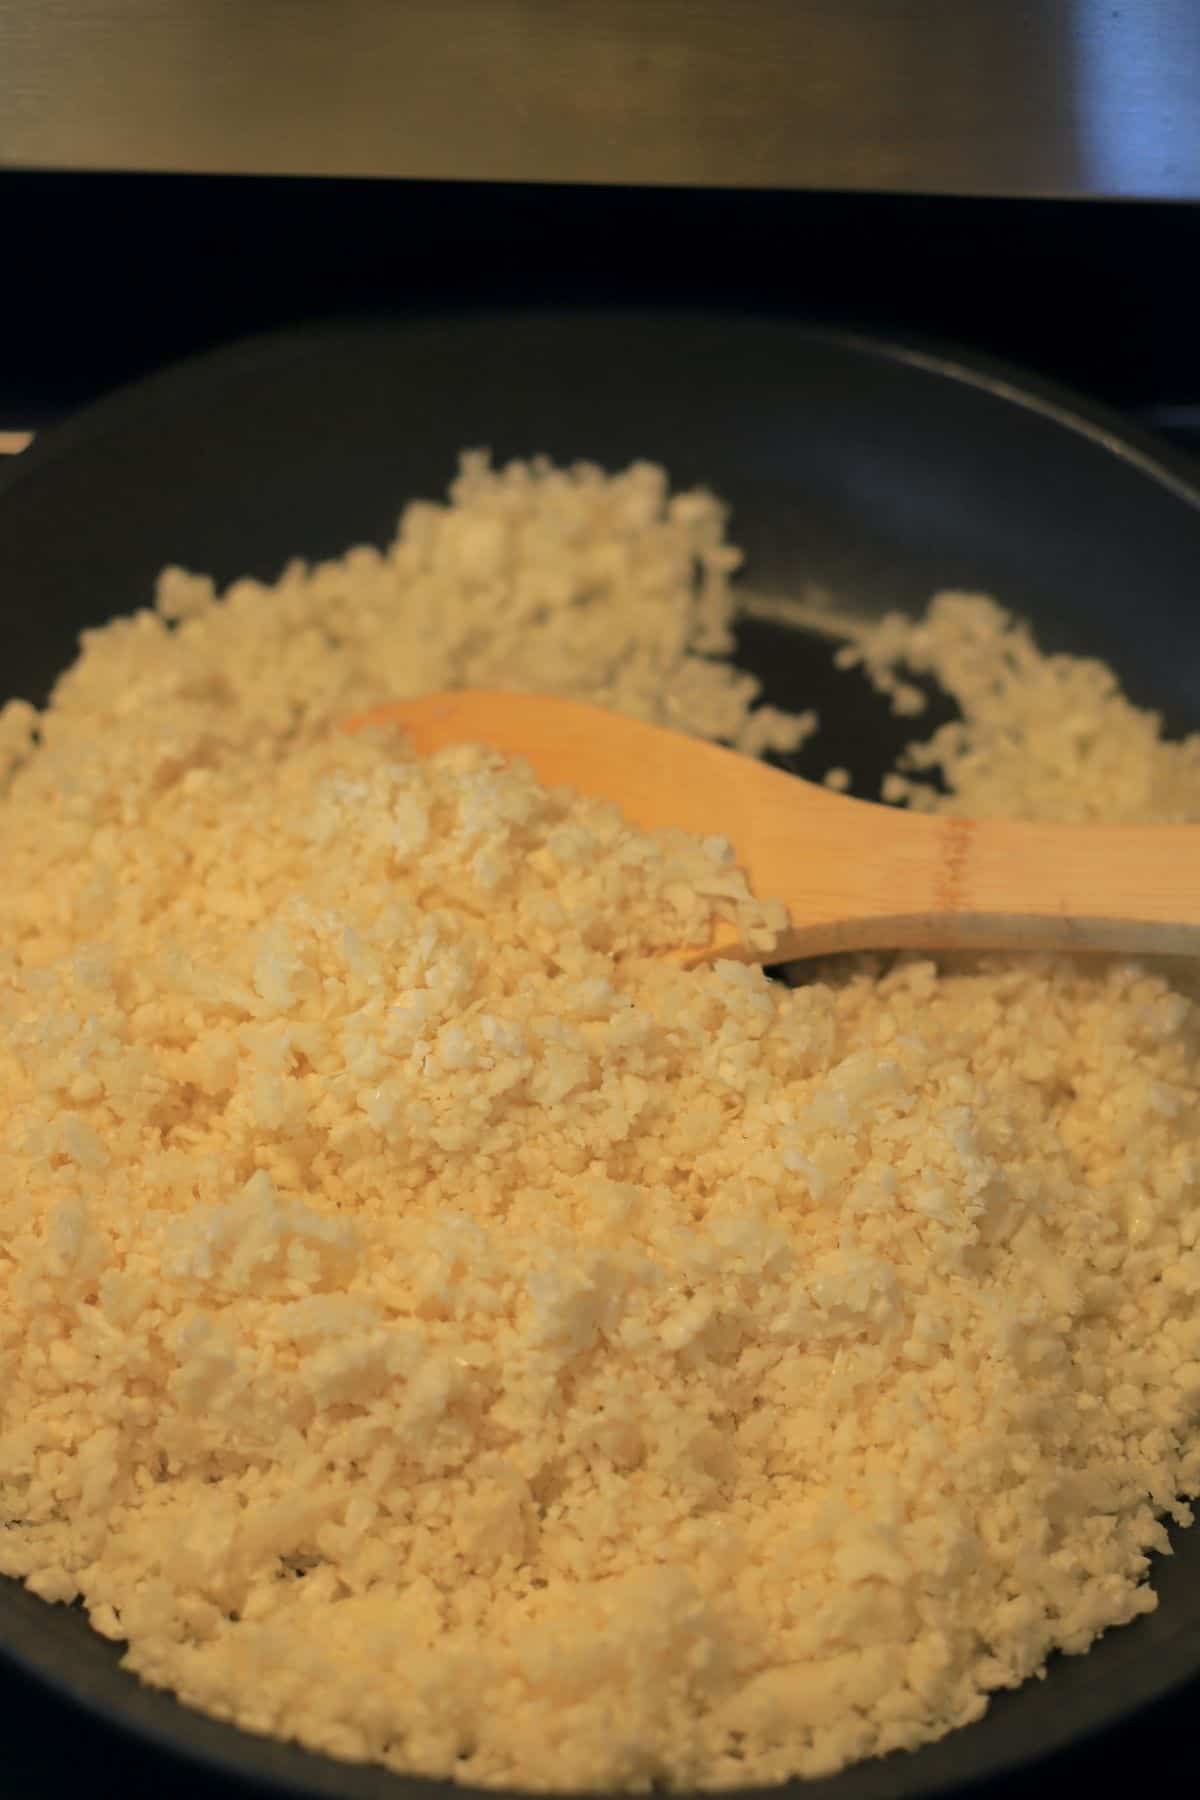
{"x":871,"y":473}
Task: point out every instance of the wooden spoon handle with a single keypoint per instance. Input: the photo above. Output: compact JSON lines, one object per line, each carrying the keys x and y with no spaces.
{"x":911,"y":881}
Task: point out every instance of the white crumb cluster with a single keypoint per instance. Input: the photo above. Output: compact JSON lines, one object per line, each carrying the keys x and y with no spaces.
{"x":608,"y":589}
{"x":1041,"y":737}
{"x":436,"y":1329}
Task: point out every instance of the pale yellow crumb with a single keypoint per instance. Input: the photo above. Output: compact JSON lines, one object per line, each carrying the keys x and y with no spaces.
{"x":1041,"y":736}
{"x":438,"y":1329}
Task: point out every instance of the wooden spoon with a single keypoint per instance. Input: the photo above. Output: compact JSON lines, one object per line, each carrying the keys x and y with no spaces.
{"x":854,"y":876}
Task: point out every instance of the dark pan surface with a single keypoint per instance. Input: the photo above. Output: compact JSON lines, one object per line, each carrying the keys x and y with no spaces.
{"x":874,"y":472}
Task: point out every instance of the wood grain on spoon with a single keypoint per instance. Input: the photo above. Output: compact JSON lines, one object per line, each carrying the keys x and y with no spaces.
{"x":854,"y":876}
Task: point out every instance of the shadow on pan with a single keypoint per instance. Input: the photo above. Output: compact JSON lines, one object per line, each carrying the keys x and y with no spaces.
{"x":870,"y":472}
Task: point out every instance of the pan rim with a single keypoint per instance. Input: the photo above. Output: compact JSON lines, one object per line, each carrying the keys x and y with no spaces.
{"x":1104,"y":427}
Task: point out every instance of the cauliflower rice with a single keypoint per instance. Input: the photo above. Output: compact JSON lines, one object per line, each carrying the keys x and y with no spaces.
{"x":436,"y":1330}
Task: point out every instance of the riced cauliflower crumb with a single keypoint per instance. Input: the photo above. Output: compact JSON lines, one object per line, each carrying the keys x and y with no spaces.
{"x":607,"y":589}
{"x":1042,"y":737}
{"x":436,"y":1329}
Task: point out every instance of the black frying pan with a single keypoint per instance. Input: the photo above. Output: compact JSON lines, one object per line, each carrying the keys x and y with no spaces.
{"x":875,"y":472}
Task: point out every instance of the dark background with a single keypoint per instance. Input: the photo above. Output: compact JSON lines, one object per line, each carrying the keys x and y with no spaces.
{"x":105,"y":277}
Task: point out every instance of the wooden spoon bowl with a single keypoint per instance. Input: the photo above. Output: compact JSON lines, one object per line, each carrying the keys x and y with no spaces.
{"x":853,"y":875}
